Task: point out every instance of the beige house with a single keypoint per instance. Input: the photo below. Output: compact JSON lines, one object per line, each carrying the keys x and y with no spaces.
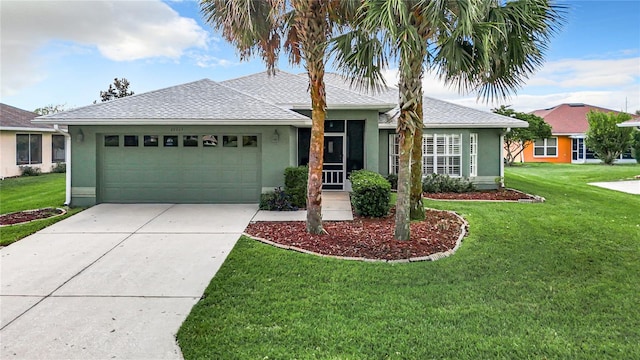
{"x":25,"y":144}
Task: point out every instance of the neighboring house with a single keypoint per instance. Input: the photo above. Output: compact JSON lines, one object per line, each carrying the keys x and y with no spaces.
{"x":23,"y":143}
{"x":631,"y":123}
{"x":569,"y":126}
{"x":228,"y":142}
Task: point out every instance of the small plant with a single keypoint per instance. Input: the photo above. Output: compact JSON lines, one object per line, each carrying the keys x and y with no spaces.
{"x":393,"y":180}
{"x":295,"y":184}
{"x":30,"y":171}
{"x":371,"y":193}
{"x":277,"y":200}
{"x":438,"y":183}
{"x":59,"y":168}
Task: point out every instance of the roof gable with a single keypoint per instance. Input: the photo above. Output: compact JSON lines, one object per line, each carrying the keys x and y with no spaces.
{"x":195,"y":102}
{"x":292,"y":91}
{"x":569,"y":118}
{"x":13,"y":117}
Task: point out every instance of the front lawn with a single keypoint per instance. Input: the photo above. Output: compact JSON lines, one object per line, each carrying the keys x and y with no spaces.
{"x":26,"y":193}
{"x":554,"y":280}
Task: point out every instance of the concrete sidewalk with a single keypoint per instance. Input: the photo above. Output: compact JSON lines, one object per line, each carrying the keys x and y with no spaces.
{"x":114,"y":281}
{"x":628,"y":186}
{"x":336,"y":206}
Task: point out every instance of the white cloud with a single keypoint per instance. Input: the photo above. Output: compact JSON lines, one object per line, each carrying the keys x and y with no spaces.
{"x":119,"y":30}
{"x":613,"y":84}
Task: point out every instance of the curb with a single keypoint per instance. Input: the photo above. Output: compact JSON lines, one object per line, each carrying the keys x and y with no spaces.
{"x":63,"y":212}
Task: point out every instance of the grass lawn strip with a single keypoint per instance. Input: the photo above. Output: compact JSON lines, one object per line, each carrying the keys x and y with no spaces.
{"x":27,"y":193}
{"x":554,"y":280}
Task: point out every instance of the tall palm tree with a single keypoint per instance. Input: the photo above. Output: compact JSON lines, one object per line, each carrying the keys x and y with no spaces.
{"x":486,"y":46}
{"x":259,"y":27}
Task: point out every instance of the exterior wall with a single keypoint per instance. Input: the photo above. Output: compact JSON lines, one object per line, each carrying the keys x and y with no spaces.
{"x":489,"y":154}
{"x":85,"y":175}
{"x":8,"y":166}
{"x":564,"y":152}
{"x":371,"y":133}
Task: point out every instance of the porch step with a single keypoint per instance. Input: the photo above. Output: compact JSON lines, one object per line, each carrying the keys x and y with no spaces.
{"x":336,"y":206}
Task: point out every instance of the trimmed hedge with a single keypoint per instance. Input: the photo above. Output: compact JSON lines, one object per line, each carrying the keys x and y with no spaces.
{"x":438,"y":183}
{"x":295,"y":185}
{"x":371,"y":193}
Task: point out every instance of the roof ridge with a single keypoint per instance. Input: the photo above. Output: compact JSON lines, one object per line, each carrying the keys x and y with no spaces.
{"x":262,"y":100}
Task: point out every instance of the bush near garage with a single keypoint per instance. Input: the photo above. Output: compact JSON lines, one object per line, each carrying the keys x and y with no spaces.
{"x":371,"y":193}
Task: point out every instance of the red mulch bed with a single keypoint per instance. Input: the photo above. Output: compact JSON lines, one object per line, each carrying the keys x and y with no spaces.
{"x":28,"y":215}
{"x":496,"y":195}
{"x":367,"y":238}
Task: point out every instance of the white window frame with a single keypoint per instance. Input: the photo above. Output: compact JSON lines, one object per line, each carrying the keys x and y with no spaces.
{"x":545,"y":146}
{"x":445,"y":158}
{"x":31,"y":158}
{"x":473,"y":154}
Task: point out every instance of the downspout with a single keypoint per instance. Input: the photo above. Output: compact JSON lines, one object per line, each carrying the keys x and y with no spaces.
{"x":67,"y":159}
{"x":502,"y":157}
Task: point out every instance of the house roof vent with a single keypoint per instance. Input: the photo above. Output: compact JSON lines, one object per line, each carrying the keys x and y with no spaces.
{"x":576,"y":105}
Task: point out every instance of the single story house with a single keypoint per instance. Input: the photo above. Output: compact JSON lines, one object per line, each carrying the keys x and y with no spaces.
{"x":569,"y":126}
{"x":229,"y":141}
{"x":23,"y":143}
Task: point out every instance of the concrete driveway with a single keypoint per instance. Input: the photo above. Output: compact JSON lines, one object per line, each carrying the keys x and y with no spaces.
{"x":114,"y":281}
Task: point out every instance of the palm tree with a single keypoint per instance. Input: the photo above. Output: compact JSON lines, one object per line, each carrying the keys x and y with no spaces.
{"x":259,"y":27}
{"x":486,"y":46}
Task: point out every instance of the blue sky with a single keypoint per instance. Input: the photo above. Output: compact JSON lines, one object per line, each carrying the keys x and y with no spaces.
{"x":55,"y":53}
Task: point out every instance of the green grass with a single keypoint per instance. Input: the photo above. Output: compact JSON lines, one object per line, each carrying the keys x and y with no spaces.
{"x":557,"y":280}
{"x":26,"y":193}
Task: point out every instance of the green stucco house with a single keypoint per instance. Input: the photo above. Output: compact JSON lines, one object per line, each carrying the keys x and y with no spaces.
{"x":227,"y":142}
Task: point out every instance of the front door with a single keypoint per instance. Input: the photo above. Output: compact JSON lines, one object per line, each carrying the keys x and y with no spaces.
{"x":333,"y":168}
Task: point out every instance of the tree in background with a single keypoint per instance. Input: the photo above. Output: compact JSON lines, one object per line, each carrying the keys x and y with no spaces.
{"x":119,"y":89}
{"x":50,"y":109}
{"x":607,"y":140}
{"x":636,"y":146}
{"x":518,"y":139}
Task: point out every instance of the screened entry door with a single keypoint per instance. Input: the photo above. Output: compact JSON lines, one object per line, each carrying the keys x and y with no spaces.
{"x":333,"y":168}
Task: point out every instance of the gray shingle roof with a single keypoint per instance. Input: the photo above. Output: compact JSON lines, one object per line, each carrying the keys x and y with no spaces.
{"x":292,"y":91}
{"x":436,"y":113}
{"x":199,"y":102}
{"x":13,"y":118}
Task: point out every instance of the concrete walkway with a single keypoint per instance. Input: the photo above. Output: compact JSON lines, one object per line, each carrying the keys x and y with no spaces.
{"x":114,"y":281}
{"x":628,"y":186}
{"x":336,"y":206}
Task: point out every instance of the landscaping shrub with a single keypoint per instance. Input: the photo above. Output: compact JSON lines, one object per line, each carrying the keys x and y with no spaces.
{"x":393,"y":180}
{"x":371,"y":193}
{"x":438,"y":183}
{"x":295,"y":184}
{"x":59,"y":168}
{"x":30,"y":171}
{"x":277,"y":200}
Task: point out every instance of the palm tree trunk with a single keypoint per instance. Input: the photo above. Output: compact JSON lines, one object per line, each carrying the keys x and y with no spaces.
{"x":403,"y":220}
{"x":416,"y":205}
{"x":312,"y":34}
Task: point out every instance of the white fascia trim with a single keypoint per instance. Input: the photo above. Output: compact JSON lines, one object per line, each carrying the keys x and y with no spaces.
{"x":10,"y":128}
{"x":630,"y":124}
{"x":568,"y":134}
{"x":304,"y":121}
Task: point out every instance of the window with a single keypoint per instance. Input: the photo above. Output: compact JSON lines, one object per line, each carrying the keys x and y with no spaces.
{"x":190,"y":141}
{"x":209,"y":140}
{"x":151,"y":140}
{"x":229,"y":141}
{"x":545,"y":147}
{"x":170,"y":141}
{"x":473,"y":152}
{"x":131,"y":140}
{"x":442,"y":154}
{"x":249,"y":141}
{"x":112,"y":140}
{"x":57,"y":148}
{"x":28,"y":149}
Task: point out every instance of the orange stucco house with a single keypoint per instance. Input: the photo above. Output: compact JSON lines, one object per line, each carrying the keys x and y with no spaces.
{"x":568,"y":130}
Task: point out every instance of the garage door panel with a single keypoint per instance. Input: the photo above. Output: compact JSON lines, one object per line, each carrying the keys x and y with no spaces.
{"x":179,"y":174}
